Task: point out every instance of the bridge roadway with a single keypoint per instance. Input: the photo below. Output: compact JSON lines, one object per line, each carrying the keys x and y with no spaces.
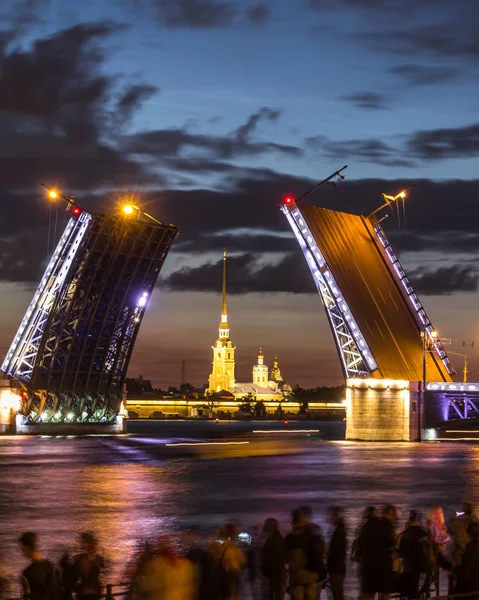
{"x":380,"y":306}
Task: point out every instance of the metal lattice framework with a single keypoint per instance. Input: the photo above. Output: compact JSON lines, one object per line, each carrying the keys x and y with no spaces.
{"x":453,"y":401}
{"x":72,"y":349}
{"x":356,"y":357}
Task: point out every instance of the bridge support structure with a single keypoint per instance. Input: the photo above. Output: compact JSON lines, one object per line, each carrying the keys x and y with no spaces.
{"x":383,"y":410}
{"x":70,"y":355}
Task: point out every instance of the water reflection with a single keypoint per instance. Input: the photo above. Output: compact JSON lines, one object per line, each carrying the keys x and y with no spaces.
{"x":126,"y":489}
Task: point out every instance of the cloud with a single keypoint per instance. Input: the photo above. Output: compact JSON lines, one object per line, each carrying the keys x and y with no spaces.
{"x":439,"y":144}
{"x":289,"y":275}
{"x":258,"y":14}
{"x":438,"y":29}
{"x":451,"y":39}
{"x":366,"y":100}
{"x":408,"y":150}
{"x":367,"y":150}
{"x":207,"y":14}
{"x":195,"y":14}
{"x":56,"y":117}
{"x":57,"y":71}
{"x":169,"y":146}
{"x":445,"y":281}
{"x":361,"y":4}
{"x":415,"y":75}
{"x":401,"y":7}
{"x":132,"y":98}
{"x":244,"y":217}
{"x":240,"y":240}
{"x":23,"y":255}
{"x":457,"y":242}
{"x":244,"y":132}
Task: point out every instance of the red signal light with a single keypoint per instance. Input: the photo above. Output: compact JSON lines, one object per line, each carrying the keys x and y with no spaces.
{"x":76,"y":211}
{"x":289,"y":200}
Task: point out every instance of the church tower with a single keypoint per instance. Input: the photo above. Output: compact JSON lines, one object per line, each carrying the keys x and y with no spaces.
{"x":260,"y":371}
{"x":223,"y":373}
{"x":275,"y":371}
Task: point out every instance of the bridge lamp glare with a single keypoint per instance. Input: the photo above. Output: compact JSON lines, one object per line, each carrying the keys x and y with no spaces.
{"x":128,"y":209}
{"x":402,"y":195}
{"x":142,"y":300}
{"x":52,"y":194}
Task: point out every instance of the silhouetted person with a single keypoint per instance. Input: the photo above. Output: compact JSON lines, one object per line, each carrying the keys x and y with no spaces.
{"x":458,"y":527}
{"x":369,"y":513}
{"x":336,"y":563}
{"x":233,"y":558}
{"x":88,"y":567}
{"x":416,"y":550}
{"x":166,"y":575}
{"x":468,"y":572}
{"x":67,"y":577}
{"x":205,"y":565}
{"x":376,"y":543}
{"x":273,"y":558}
{"x":4,"y":578}
{"x":38,"y":579}
{"x":437,"y":529}
{"x":305,"y":556}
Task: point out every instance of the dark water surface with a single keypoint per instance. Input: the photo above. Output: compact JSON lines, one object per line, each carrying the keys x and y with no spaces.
{"x":129,"y":487}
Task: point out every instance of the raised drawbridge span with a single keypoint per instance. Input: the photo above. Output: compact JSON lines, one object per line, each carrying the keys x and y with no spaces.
{"x":71,"y":352}
{"x":383,"y":335}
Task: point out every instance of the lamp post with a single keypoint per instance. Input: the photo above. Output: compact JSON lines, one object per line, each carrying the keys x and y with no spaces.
{"x":429,"y":338}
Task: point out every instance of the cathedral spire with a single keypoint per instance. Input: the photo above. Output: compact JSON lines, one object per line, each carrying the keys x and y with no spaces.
{"x":223,"y":305}
{"x":224,"y":329}
{"x":223,"y":372}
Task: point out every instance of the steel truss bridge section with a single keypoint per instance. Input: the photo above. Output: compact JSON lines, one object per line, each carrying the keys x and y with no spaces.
{"x":451,"y":402}
{"x":375,"y":315}
{"x":74,"y":344}
{"x":355,"y":355}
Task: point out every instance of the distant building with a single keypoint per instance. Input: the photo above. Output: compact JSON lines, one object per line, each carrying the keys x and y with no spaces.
{"x":260,"y":371}
{"x":263,"y":386}
{"x":222,"y":377}
{"x":223,"y":369}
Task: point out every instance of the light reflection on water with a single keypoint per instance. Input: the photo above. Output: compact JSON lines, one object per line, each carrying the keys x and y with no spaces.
{"x":125,"y":489}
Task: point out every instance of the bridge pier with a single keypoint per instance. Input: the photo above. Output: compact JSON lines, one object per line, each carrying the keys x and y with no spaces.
{"x":9,"y":406}
{"x":382,"y":410}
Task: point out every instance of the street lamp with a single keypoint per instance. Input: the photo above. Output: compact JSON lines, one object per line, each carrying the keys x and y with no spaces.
{"x":391,"y":199}
{"x":129,"y":209}
{"x":53,"y":194}
{"x":429,"y":340}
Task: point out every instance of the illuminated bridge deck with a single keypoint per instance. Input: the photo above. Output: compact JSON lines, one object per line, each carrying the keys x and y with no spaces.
{"x":374,"y":292}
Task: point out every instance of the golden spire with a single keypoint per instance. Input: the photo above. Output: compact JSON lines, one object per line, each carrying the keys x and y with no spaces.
{"x":224,"y":329}
{"x":223,"y":305}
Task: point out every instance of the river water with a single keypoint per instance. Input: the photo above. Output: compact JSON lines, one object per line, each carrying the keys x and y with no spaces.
{"x":130,"y":487}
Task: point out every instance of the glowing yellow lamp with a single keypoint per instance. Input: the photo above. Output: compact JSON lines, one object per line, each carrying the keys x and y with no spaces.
{"x":128,"y":209}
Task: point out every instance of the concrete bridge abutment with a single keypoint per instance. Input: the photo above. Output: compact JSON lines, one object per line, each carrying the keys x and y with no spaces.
{"x":383,"y":410}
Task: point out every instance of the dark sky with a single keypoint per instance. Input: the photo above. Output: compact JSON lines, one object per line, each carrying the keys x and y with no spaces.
{"x":209,"y":112}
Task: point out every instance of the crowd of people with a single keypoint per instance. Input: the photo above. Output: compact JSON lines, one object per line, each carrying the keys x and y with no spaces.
{"x":266,"y":565}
